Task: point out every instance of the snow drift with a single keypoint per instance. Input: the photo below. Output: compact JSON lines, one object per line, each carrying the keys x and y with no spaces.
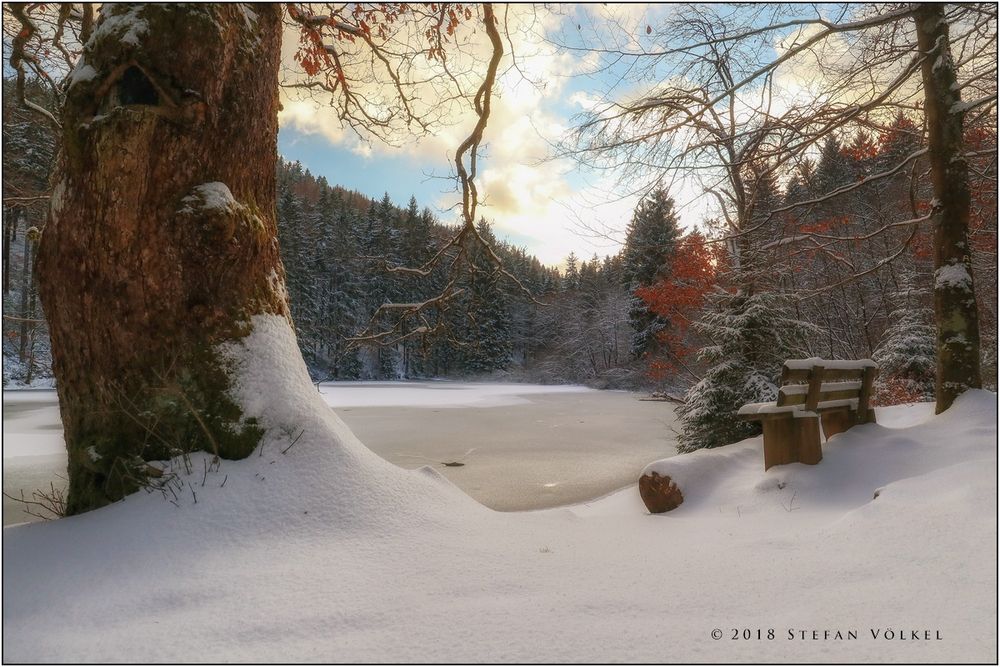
{"x":327,"y":553}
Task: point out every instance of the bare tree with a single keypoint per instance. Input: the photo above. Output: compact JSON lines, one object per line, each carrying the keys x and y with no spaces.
{"x":719,"y":107}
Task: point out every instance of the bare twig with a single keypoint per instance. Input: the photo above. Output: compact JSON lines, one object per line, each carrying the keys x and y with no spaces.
{"x":293,"y":441}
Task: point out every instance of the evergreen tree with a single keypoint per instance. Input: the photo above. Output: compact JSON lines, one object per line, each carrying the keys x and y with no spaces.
{"x":753,"y":329}
{"x":380,"y":244}
{"x":907,"y":356}
{"x":489,"y":322}
{"x":571,"y":279}
{"x":833,"y":170}
{"x":649,"y":244}
{"x":752,"y":335}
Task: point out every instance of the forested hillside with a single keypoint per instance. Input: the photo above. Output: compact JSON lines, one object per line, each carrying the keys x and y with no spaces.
{"x":340,"y":250}
{"x":665,"y":311}
{"x":29,"y":147}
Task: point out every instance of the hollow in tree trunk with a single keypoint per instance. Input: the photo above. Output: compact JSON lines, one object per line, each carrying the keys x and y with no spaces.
{"x":958,"y":363}
{"x":161,"y":239}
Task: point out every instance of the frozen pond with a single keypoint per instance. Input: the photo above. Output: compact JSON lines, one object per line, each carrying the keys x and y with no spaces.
{"x":523,"y":446}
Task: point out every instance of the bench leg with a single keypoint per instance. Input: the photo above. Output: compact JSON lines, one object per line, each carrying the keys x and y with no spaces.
{"x":838,"y":421}
{"x":810,"y":449}
{"x":779,"y":439}
{"x":792,"y":441}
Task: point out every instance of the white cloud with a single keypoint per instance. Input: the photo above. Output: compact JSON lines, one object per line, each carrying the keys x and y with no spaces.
{"x":521,"y":189}
{"x":308,"y":117}
{"x":532,"y":199}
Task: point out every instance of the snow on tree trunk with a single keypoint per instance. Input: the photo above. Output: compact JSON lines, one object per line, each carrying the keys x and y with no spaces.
{"x":954,"y":294}
{"x":161,"y":239}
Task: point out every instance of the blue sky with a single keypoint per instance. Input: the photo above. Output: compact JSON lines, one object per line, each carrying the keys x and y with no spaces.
{"x":533,"y":202}
{"x":402,"y":174}
{"x":398,"y":174}
{"x":550,"y":206}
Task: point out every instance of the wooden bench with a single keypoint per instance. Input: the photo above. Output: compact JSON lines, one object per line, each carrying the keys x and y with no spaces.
{"x":814,"y":392}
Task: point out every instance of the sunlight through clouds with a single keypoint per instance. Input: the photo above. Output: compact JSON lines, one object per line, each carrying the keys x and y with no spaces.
{"x":530,"y":197}
{"x":533,"y":191}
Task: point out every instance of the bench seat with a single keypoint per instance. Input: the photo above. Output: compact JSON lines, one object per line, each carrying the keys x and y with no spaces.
{"x":815,"y":393}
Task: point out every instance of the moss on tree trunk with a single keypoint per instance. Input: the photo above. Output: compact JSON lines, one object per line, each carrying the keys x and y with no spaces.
{"x":161,"y":240}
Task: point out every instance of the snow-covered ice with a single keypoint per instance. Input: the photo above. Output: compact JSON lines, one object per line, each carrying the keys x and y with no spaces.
{"x":524,"y":446}
{"x":437,"y":394}
{"x":384,"y":565}
{"x":34,"y":429}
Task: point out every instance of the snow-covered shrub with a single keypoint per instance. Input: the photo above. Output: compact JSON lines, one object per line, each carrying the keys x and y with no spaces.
{"x":907,"y":355}
{"x":752,"y":335}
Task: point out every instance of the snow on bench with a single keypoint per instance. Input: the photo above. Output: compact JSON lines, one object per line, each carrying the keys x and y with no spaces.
{"x":797,"y":389}
{"x":832,"y":364}
{"x":769,"y":408}
{"x":850,"y":403}
{"x":831,"y":393}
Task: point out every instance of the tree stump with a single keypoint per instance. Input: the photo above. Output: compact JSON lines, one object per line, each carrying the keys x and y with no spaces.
{"x":659,"y":493}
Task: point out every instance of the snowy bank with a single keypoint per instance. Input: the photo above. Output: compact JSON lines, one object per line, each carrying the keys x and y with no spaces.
{"x":328,"y":553}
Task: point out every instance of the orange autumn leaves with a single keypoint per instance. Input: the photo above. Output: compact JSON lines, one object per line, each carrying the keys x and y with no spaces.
{"x":679,"y":297}
{"x":371,"y":23}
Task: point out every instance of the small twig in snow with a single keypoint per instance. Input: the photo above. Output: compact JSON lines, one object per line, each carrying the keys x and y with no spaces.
{"x":293,"y":441}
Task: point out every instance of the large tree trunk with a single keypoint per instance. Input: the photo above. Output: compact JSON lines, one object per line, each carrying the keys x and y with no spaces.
{"x":954,"y":294}
{"x":161,"y":240}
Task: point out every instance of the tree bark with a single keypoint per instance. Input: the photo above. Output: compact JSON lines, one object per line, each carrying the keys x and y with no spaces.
{"x":161,"y":240}
{"x":956,"y":315}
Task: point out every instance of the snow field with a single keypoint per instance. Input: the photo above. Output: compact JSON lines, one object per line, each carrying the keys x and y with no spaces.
{"x":442,"y":394}
{"x":329,"y":553}
{"x":526,"y":446}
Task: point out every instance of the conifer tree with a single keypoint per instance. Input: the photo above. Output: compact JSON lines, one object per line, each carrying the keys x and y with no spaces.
{"x":832,"y":170}
{"x":907,"y":356}
{"x":649,"y":244}
{"x":752,"y":328}
{"x":488,"y":320}
{"x":571,"y":279}
{"x":752,"y":334}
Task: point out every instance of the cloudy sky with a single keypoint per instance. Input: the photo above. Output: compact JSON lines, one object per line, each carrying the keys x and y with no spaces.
{"x":549,"y":205}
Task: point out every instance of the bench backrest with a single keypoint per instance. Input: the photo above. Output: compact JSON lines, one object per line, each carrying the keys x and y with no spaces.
{"x":828,"y":384}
